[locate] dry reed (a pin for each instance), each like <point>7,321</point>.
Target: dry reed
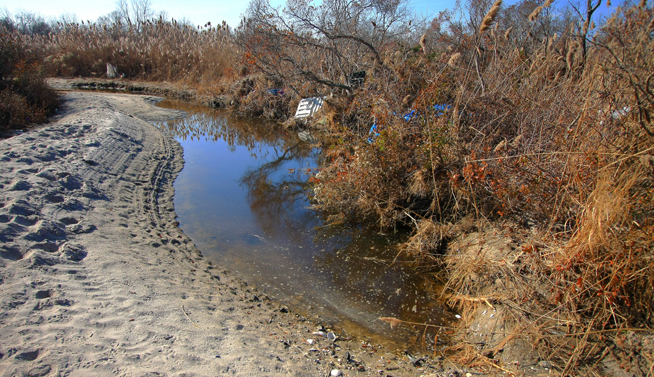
<point>490,16</point>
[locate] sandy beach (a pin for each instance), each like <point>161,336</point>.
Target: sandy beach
<point>97,279</point>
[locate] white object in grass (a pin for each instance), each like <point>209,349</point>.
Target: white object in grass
<point>308,106</point>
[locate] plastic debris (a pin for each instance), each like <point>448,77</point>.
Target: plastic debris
<point>621,113</point>
<point>276,92</point>
<point>440,109</point>
<point>308,106</point>
<point>356,79</point>
<point>372,135</point>
<point>112,71</point>
<point>410,115</point>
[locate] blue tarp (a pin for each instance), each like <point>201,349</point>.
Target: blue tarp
<point>372,135</point>
<point>410,115</point>
<point>438,108</point>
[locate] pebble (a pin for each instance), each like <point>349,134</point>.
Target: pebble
<point>336,373</point>
<point>545,364</point>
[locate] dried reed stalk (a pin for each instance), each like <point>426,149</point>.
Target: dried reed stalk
<point>454,59</point>
<point>490,16</point>
<point>423,43</point>
<point>395,321</point>
<point>507,33</point>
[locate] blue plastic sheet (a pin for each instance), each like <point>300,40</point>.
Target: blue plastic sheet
<point>410,115</point>
<point>438,108</point>
<point>372,135</point>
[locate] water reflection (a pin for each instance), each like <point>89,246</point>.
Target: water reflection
<point>243,199</point>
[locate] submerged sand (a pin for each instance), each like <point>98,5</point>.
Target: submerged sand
<point>97,279</point>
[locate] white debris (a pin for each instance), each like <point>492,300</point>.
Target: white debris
<point>112,71</point>
<point>308,106</point>
<point>621,113</point>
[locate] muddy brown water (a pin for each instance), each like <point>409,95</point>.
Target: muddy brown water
<point>244,200</point>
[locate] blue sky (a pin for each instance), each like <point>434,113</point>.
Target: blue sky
<point>197,11</point>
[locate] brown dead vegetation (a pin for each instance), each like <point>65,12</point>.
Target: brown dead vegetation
<point>24,95</point>
<point>517,144</point>
<point>545,148</point>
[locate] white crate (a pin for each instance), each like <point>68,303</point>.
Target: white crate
<point>308,106</point>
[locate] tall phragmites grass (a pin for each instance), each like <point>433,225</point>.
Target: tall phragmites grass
<point>490,16</point>
<point>158,51</point>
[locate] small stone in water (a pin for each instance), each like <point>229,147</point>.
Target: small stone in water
<point>336,373</point>
<point>331,336</point>
<point>310,341</point>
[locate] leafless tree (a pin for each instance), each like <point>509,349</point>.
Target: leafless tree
<point>26,23</point>
<point>586,14</point>
<point>134,12</point>
<point>324,43</point>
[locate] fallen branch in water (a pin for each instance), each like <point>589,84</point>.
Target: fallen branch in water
<point>395,321</point>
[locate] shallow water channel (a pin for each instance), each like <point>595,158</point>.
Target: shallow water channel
<point>243,199</point>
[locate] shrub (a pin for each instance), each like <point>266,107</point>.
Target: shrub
<point>25,97</point>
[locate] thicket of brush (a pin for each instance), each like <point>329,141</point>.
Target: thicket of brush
<point>551,134</point>
<point>518,120</point>
<point>25,98</point>
<point>542,133</point>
